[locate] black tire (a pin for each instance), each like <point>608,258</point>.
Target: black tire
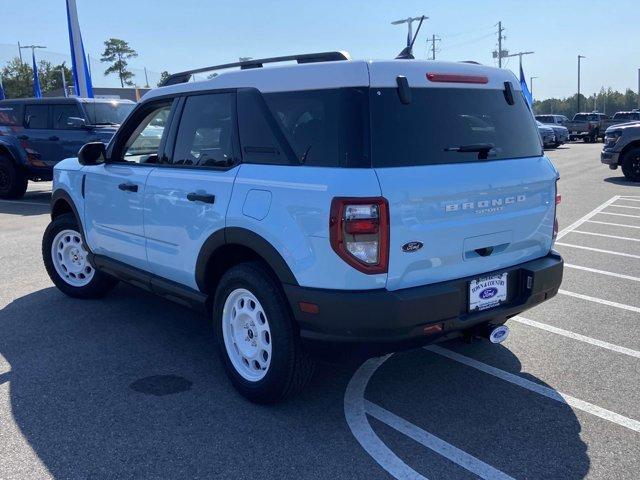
<point>13,182</point>
<point>98,286</point>
<point>631,164</point>
<point>290,367</point>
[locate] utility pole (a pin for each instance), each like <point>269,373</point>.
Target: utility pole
<point>433,41</point>
<point>64,83</point>
<point>146,78</point>
<point>500,53</point>
<point>579,58</point>
<point>20,52</point>
<point>32,47</point>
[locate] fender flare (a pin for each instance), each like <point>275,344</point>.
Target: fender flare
<point>61,195</point>
<point>10,150</point>
<point>246,238</point>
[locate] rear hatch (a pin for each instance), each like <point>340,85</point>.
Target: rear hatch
<point>456,213</point>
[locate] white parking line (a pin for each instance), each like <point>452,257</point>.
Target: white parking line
<point>607,236</point>
<point>613,224</point>
<point>548,392</point>
<point>576,336</point>
<point>625,206</point>
<point>602,301</point>
<point>580,221</point>
<point>602,272</point>
<point>630,198</point>
<point>611,252</point>
<point>434,443</point>
<point>619,214</point>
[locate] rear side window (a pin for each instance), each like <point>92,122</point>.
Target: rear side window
<point>62,113</point>
<point>11,114</point>
<point>325,128</point>
<point>207,131</point>
<point>440,122</point>
<point>36,116</point>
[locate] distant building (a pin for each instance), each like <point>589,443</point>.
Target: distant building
<point>131,93</point>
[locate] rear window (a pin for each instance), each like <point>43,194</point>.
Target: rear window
<point>10,114</point>
<point>626,116</point>
<point>439,120</point>
<point>545,118</point>
<point>584,117</point>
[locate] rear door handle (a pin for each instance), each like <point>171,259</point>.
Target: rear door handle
<point>23,137</point>
<point>128,187</point>
<point>53,138</point>
<point>201,197</point>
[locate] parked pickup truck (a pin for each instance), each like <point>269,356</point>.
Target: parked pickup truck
<point>619,118</point>
<point>587,126</point>
<point>622,148</point>
<point>36,133</point>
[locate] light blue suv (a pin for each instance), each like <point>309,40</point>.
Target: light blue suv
<point>312,208</point>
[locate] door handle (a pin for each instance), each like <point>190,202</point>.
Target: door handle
<point>23,137</point>
<point>128,187</point>
<point>201,197</point>
<point>54,138</point>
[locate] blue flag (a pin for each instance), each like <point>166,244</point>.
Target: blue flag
<point>525,89</point>
<point>36,80</point>
<point>2,96</point>
<point>81,76</point>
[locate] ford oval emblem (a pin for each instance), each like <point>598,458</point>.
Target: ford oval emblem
<point>412,247</point>
<point>488,293</point>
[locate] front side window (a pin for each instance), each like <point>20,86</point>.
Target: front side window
<point>143,144</point>
<point>61,115</point>
<point>449,125</point>
<point>207,131</point>
<point>35,116</point>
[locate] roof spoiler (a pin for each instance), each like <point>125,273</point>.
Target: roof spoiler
<point>183,77</point>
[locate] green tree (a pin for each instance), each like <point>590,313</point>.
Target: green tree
<point>17,79</point>
<point>51,76</point>
<point>163,76</point>
<point>117,52</point>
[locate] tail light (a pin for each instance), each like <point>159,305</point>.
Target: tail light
<point>555,215</point>
<point>359,232</point>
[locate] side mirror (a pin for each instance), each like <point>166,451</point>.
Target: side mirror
<point>93,153</point>
<point>76,122</point>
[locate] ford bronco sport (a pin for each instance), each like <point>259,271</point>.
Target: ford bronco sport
<point>373,205</point>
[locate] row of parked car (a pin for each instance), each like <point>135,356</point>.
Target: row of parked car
<point>589,127</point>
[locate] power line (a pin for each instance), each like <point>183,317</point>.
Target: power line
<point>434,39</point>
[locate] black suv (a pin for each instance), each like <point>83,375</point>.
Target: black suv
<point>35,134</point>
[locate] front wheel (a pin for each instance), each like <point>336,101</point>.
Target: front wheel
<point>257,339</point>
<point>631,164</point>
<point>13,182</point>
<point>67,262</point>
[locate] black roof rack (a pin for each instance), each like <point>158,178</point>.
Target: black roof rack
<point>183,77</point>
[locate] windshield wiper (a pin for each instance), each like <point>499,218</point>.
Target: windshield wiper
<point>106,123</point>
<point>483,149</point>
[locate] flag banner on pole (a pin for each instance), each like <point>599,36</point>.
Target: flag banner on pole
<point>36,79</point>
<point>525,89</point>
<point>81,76</point>
<point>2,96</point>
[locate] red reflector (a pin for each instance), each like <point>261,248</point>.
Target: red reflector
<point>455,78</point>
<point>558,199</point>
<point>431,329</point>
<point>362,226</point>
<point>307,307</point>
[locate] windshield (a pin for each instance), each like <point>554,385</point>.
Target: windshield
<point>545,119</point>
<point>449,125</point>
<point>108,113</point>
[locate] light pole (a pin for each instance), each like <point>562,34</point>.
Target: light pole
<point>531,84</point>
<point>409,21</point>
<point>579,58</point>
<point>64,83</point>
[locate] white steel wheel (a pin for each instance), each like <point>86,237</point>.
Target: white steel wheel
<point>246,333</point>
<point>70,259</point>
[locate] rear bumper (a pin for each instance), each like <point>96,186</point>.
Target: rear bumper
<point>378,321</point>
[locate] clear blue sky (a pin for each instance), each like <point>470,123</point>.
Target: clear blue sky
<point>174,35</point>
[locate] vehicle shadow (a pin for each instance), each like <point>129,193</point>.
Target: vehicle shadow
<point>516,431</point>
<point>622,180</point>
<point>23,209</point>
<point>130,386</point>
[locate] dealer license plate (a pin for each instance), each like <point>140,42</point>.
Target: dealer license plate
<point>487,292</point>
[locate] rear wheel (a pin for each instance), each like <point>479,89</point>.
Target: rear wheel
<point>13,182</point>
<point>631,164</point>
<point>67,262</point>
<point>257,340</point>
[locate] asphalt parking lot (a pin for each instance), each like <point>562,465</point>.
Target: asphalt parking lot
<point>130,386</point>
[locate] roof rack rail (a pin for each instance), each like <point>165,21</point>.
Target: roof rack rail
<point>183,77</point>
